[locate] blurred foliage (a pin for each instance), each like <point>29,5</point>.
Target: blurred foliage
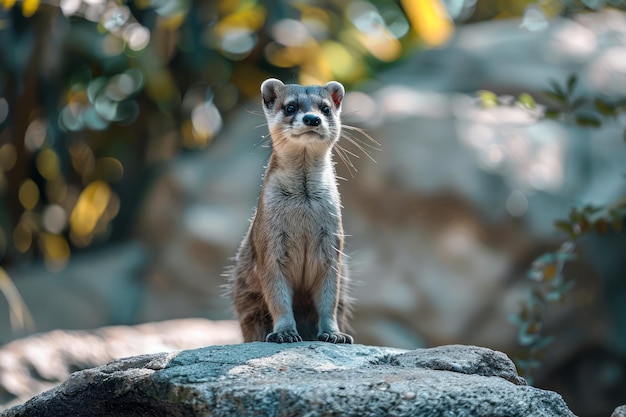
<point>95,94</point>
<point>548,270</point>
<point>579,109</point>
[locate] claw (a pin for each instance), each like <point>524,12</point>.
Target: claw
<point>283,337</point>
<point>337,338</point>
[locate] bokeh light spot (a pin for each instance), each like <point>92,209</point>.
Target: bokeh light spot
<point>238,42</point>
<point>48,164</point>
<point>137,36</point>
<point>114,18</point>
<point>56,190</point>
<point>290,32</point>
<point>93,120</point>
<point>517,203</point>
<point>70,117</point>
<point>109,169</point>
<point>35,135</point>
<point>82,159</point>
<point>365,16</point>
<point>8,157</point>
<point>430,20</point>
<point>29,7</point>
<point>28,194</point>
<point>90,205</point>
<point>112,45</point>
<point>55,249</point>
<point>341,62</point>
<point>206,123</point>
<point>54,218</point>
<point>70,7</point>
<point>120,87</point>
<point>22,237</point>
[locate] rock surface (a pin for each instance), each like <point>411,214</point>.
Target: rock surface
<point>37,363</point>
<point>308,378</point>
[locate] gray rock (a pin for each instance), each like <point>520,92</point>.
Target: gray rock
<point>304,379</point>
<point>37,363</point>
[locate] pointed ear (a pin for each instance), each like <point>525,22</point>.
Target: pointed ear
<point>336,91</point>
<point>271,89</point>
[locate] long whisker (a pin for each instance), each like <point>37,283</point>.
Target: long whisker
<point>346,160</point>
<point>349,152</point>
<point>367,135</point>
<point>255,112</point>
<point>361,148</point>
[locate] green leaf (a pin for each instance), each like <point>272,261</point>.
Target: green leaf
<point>527,100</point>
<point>529,333</point>
<point>565,226</point>
<point>565,256</point>
<point>535,274</point>
<point>554,114</point>
<point>543,343</point>
<point>536,300</point>
<point>588,120</point>
<point>605,108</point>
<point>554,295</point>
<point>554,96</point>
<point>556,88</point>
<point>590,210</point>
<point>571,83</point>
<point>488,99</point>
<point>557,293</point>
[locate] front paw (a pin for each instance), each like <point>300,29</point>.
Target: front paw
<point>335,337</point>
<point>284,336</point>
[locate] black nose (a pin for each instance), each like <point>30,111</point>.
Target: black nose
<point>311,120</point>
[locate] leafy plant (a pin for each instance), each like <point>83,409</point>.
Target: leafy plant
<point>569,106</point>
<point>552,285</point>
<point>547,270</point>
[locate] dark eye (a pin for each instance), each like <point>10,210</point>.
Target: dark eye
<point>290,109</point>
<point>326,111</point>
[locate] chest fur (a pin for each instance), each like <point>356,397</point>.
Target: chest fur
<point>302,218</point>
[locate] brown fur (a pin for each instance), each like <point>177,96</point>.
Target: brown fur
<point>289,281</point>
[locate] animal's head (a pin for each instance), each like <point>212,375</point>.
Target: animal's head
<point>306,115</point>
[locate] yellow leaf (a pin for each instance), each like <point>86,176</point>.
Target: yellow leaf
<point>430,20</point>
<point>7,4</point>
<point>29,7</point>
